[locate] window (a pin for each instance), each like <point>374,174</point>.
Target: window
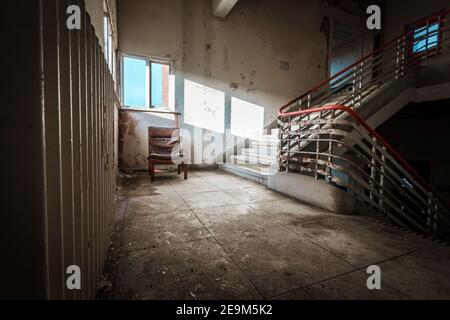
<point>426,37</point>
<point>109,43</point>
<point>147,83</point>
<point>135,82</point>
<point>161,84</point>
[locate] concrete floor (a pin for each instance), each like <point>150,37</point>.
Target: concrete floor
<point>217,236</point>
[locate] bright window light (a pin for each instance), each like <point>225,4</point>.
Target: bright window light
<point>204,107</point>
<point>136,83</point>
<point>247,119</point>
<point>160,78</point>
<point>425,38</point>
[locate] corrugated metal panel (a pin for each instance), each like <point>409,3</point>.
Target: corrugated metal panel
<point>79,149</point>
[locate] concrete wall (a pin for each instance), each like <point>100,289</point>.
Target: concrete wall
<point>312,191</point>
<point>349,37</point>
<point>399,13</point>
<point>133,132</point>
<point>263,52</point>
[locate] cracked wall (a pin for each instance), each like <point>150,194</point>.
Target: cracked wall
<point>264,53</point>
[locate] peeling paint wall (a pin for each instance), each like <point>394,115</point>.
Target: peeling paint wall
<point>265,52</point>
<point>133,136</point>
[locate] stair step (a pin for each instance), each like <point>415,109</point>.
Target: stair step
<point>243,159</point>
<point>254,152</point>
<point>252,172</point>
<point>267,144</point>
<point>267,138</point>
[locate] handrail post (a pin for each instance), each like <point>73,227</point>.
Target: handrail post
<point>372,168</point>
<point>432,214</point>
<point>361,74</point>
<point>382,169</point>
<point>288,156</point>
<point>403,56</point>
<point>429,212</point>
<point>353,87</point>
<point>316,175</point>
<point>398,60</point>
<point>330,147</point>
<point>279,143</point>
<point>426,40</point>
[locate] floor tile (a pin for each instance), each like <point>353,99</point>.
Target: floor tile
<point>193,186</point>
<point>156,204</point>
<point>289,211</point>
<point>423,274</point>
<point>227,182</point>
<point>194,270</point>
<point>277,260</point>
<point>351,286</point>
<point>254,194</point>
<point>222,221</point>
<point>218,236</point>
<point>361,244</point>
<point>160,229</point>
<point>209,199</point>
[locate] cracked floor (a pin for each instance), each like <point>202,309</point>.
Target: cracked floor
<point>218,236</point>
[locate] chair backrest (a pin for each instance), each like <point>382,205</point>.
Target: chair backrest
<point>163,132</point>
<point>163,140</point>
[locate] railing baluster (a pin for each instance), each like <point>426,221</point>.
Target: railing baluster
<point>288,155</point>
<point>383,160</point>
<point>382,186</point>
<point>316,175</point>
<point>352,104</point>
<point>360,87</point>
<point>372,169</point>
<point>429,213</point>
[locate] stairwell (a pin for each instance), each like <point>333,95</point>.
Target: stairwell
<point>330,156</point>
<point>257,161</point>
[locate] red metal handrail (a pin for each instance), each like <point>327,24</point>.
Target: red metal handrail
<point>375,134</point>
<point>444,12</point>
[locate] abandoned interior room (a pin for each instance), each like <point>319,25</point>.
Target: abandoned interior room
<point>225,150</point>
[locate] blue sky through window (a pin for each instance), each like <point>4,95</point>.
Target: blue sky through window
<point>157,84</point>
<point>421,38</point>
<point>135,82</point>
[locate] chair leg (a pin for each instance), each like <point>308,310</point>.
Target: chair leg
<point>149,168</point>
<point>186,170</point>
<point>152,172</point>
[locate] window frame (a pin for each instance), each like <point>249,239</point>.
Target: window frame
<point>425,37</point>
<point>110,42</point>
<point>149,60</point>
<point>412,28</point>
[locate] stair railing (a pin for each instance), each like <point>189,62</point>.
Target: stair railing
<point>321,134</point>
<point>350,155</point>
<point>353,84</point>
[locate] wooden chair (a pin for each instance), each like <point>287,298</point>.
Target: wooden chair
<point>164,146</point>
